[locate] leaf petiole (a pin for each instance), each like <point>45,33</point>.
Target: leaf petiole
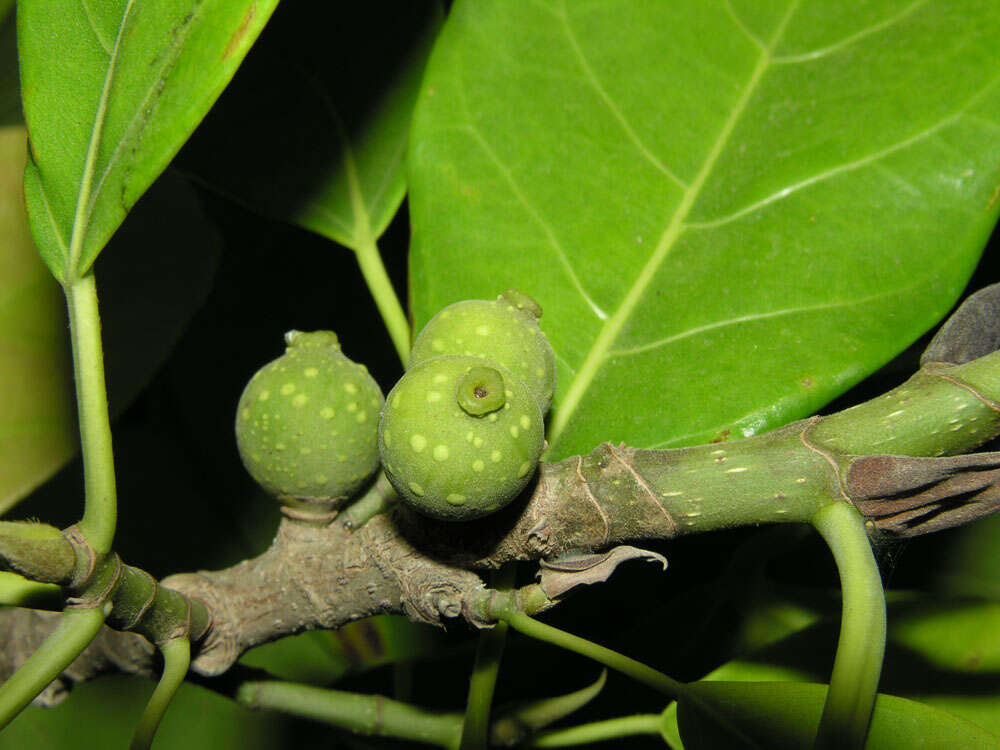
<point>858,663</point>
<point>76,629</point>
<point>176,659</point>
<point>100,498</point>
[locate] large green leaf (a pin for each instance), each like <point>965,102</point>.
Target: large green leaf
<point>325,119</point>
<point>730,210</point>
<point>145,306</point>
<point>106,114</point>
<point>37,414</point>
<point>784,716</point>
<point>944,655</point>
<point>102,714</point>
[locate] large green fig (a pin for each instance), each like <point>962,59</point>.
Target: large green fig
<point>459,437</point>
<point>306,423</point>
<point>504,330</point>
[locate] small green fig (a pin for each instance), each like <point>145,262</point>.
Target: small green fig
<point>459,437</point>
<point>306,423</point>
<point>504,330</point>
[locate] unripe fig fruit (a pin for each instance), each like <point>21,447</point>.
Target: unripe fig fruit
<point>459,437</point>
<point>306,423</point>
<point>504,330</point>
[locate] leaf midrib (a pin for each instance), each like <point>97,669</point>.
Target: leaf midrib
<point>81,214</point>
<point>613,325</point>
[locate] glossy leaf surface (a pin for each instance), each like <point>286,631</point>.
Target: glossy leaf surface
<point>730,211</point>
<point>106,115</point>
<point>314,128</point>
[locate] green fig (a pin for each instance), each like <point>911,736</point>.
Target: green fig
<point>459,437</point>
<point>504,330</point>
<point>306,423</point>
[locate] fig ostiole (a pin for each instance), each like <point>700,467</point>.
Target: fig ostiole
<point>459,437</point>
<point>504,330</point>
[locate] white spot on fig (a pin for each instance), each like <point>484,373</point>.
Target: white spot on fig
<point>418,442</point>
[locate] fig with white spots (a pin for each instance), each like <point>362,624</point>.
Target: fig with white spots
<point>306,426</point>
<point>504,330</point>
<point>462,455</point>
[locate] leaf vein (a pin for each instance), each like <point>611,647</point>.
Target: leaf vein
<point>93,27</point>
<point>748,319</point>
<point>592,79</point>
<point>675,227</point>
<point>849,166</point>
<point>550,235</point>
<point>142,112</point>
<point>742,26</point>
<point>855,37</point>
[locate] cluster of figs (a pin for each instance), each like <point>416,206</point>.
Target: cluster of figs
<point>459,436</point>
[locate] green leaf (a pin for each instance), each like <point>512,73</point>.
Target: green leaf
<point>326,119</point>
<point>144,307</point>
<point>730,211</point>
<point>108,112</point>
<point>779,715</point>
<point>37,416</point>
<point>101,714</point>
<point>940,654</point>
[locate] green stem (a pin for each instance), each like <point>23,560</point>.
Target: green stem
<point>100,508</point>
<point>379,498</point>
<point>599,731</point>
<point>362,714</point>
<point>76,629</point>
<point>176,659</point>
<point>611,659</point>
<point>18,591</point>
<point>373,270</point>
<point>489,651</point>
<point>858,664</point>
